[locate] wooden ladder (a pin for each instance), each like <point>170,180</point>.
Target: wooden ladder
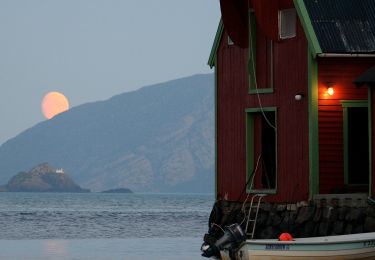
<point>253,214</point>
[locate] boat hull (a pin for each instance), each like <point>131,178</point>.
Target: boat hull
<point>359,246</point>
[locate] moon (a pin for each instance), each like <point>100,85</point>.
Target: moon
<point>54,103</point>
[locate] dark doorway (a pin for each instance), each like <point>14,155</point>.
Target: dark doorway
<point>357,146</point>
<point>261,149</point>
<point>268,150</point>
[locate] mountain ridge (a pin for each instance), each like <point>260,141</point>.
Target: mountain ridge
<point>153,139</point>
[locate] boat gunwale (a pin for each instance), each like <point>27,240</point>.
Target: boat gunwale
<point>340,239</point>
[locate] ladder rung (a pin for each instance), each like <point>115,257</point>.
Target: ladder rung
<point>253,212</point>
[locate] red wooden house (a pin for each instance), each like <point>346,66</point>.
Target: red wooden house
<point>290,122</point>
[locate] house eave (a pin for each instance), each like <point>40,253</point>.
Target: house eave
<point>346,55</point>
<point>308,27</point>
<point>215,45</point>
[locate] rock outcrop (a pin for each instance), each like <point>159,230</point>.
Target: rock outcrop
<point>42,178</point>
<point>119,190</point>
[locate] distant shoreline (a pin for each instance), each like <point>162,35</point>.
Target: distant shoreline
<point>119,190</point>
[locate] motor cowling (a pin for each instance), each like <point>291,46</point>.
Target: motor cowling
<point>232,237</point>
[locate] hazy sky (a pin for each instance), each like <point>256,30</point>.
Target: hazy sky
<point>93,49</point>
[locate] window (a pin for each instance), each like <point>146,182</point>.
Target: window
<point>287,23</point>
<point>261,150</point>
<point>261,60</point>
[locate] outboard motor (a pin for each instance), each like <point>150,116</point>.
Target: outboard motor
<point>232,237</point>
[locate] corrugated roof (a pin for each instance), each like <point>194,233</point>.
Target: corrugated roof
<point>343,26</point>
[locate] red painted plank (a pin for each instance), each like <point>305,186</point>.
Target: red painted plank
<point>290,78</point>
<point>340,73</point>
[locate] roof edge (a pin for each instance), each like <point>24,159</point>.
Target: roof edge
<point>307,27</point>
<point>347,55</point>
<point>215,45</point>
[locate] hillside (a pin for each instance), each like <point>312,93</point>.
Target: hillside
<point>157,139</point>
<point>42,178</point>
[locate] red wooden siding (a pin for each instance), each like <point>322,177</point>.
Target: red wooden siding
<point>290,78</point>
<point>331,164</point>
<point>231,146</point>
<point>267,15</point>
<point>340,72</point>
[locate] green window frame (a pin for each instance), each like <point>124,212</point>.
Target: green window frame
<point>313,125</point>
<point>345,105</point>
<point>253,88</point>
<point>250,148</point>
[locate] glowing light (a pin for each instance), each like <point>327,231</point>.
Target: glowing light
<point>54,103</point>
<point>330,91</point>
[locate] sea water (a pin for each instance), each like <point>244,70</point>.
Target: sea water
<point>102,226</point>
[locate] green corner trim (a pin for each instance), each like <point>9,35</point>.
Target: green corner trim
<point>369,95</point>
<point>215,141</point>
<point>250,163</point>
<point>215,46</point>
<point>308,27</point>
<point>313,125</point>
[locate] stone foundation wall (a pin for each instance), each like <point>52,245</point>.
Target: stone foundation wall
<point>323,216</point>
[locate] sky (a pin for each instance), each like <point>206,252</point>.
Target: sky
<point>91,50</point>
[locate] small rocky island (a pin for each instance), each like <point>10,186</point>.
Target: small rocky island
<point>42,178</point>
<point>119,190</point>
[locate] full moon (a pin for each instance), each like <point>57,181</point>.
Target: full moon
<point>54,103</point>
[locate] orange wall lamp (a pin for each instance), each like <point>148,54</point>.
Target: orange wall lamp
<point>330,90</point>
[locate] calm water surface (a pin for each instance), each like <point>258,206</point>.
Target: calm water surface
<point>102,226</point>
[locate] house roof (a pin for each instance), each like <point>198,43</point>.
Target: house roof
<point>331,27</point>
<point>368,77</point>
<point>339,26</point>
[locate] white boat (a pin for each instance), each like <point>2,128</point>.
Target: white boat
<point>355,246</point>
